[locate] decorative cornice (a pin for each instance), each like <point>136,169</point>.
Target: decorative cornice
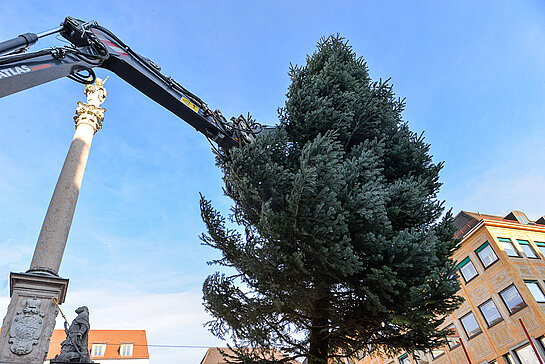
<point>502,224</point>
<point>515,225</point>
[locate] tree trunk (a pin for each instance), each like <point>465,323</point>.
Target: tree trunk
<point>319,332</point>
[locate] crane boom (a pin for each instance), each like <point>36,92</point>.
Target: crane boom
<point>92,45</point>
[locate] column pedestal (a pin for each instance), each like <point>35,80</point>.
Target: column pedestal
<point>30,320</point>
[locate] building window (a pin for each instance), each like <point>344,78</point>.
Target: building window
<point>541,246</point>
<point>125,350</point>
<point>527,248</point>
<point>486,255</point>
<point>508,247</point>
<point>404,359</point>
<point>490,313</point>
<point>470,325</point>
<point>526,354</point>
<point>420,357</point>
<point>467,269</point>
<point>512,299</point>
<point>534,287</point>
<point>509,358</point>
<point>437,352</point>
<point>98,349</point>
<point>541,341</point>
<point>453,339</point>
<point>521,217</point>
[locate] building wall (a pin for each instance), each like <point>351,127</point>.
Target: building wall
<point>506,336</point>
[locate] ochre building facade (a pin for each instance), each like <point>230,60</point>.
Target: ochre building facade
<point>501,262</point>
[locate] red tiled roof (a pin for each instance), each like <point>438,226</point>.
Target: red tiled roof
<point>113,340</point>
<point>479,216</point>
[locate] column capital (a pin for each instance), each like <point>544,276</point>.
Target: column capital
<point>89,114</point>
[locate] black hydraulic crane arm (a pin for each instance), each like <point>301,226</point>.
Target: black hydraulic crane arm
<point>95,46</point>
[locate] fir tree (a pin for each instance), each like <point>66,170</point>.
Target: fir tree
<point>343,246</point>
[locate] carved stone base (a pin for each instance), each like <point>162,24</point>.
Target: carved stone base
<point>30,320</point>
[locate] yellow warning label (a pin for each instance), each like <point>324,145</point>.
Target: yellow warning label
<point>190,104</point>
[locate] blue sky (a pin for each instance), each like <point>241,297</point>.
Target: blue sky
<point>473,75</point>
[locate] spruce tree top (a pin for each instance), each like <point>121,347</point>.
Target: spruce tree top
<point>343,250</point>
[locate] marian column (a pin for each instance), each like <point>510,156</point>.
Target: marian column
<point>30,320</point>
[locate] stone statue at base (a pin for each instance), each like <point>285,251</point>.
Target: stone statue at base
<point>74,349</point>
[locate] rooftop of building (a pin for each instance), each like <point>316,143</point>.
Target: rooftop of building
<point>215,356</point>
<point>466,220</point>
<point>113,340</point>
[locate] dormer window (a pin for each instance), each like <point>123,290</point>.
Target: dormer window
<point>98,350</point>
<point>518,216</point>
<point>125,349</point>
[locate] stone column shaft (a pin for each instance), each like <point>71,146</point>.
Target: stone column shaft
<point>58,219</point>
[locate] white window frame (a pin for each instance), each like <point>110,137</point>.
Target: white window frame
<point>123,346</point>
<point>100,347</point>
